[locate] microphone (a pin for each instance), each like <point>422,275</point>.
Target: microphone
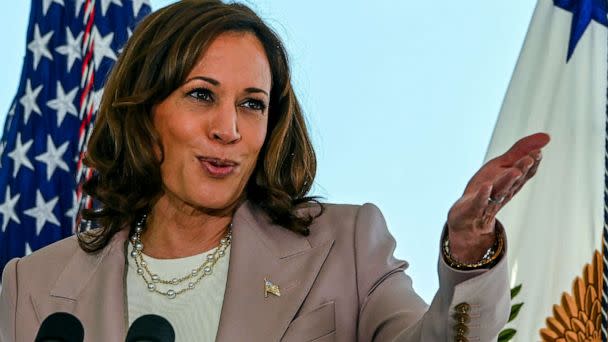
<point>60,327</point>
<point>151,328</point>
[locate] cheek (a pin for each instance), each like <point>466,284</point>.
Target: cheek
<point>177,135</point>
<point>254,135</point>
<point>257,142</point>
<point>259,132</point>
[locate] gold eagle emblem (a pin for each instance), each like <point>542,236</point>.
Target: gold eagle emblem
<point>578,318</point>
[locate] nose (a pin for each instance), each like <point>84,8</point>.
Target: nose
<point>224,128</point>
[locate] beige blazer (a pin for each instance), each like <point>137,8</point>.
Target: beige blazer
<point>341,283</point>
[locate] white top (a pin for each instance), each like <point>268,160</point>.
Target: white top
<point>194,314</point>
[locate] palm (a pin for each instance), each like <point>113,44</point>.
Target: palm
<point>472,217</point>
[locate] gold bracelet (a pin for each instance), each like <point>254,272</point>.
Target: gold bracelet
<point>490,258</point>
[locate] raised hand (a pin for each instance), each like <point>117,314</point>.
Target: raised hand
<point>471,220</point>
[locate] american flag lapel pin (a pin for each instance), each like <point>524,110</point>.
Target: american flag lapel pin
<point>269,287</point>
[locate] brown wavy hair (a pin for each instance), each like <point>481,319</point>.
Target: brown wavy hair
<point>164,48</point>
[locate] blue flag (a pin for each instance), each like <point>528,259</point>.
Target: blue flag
<point>71,46</point>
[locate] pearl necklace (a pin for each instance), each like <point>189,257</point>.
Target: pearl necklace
<point>194,277</point>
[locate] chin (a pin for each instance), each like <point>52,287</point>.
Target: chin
<point>216,200</point>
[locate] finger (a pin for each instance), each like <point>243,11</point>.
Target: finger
<point>501,194</point>
<point>537,155</point>
<point>504,183</point>
<point>528,169</point>
<point>516,187</point>
<point>523,147</point>
<point>534,168</point>
<point>528,166</point>
<point>524,165</point>
<point>522,181</point>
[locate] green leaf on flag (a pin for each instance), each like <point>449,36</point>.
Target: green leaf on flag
<point>506,335</point>
<point>515,310</point>
<point>515,291</point>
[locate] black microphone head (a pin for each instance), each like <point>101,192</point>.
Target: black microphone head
<point>60,327</point>
<point>151,328</point>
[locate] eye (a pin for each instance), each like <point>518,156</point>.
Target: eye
<point>201,94</point>
<point>254,104</point>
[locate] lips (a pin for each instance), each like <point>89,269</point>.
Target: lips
<point>216,167</point>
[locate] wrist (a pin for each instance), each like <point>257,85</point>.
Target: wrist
<point>474,260</point>
<point>470,249</point>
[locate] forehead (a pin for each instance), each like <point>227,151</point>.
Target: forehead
<point>235,58</point>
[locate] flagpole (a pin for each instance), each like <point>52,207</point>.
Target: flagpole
<point>87,82</point>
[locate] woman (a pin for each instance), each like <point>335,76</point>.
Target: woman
<point>203,163</point>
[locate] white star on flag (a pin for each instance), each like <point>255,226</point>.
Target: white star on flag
<point>137,4</point>
<point>79,6</point>
<point>71,49</point>
<point>72,213</point>
<point>7,209</point>
<point>43,211</point>
<point>103,47</point>
<point>63,103</point>
<point>19,155</point>
<point>74,209</point>
<point>38,46</point>
<point>28,248</point>
<point>47,3</point>
<point>106,3</point>
<point>53,157</point>
<point>29,101</point>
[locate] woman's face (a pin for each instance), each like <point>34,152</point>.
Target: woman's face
<point>213,126</point>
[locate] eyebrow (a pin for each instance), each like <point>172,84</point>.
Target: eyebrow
<point>217,83</point>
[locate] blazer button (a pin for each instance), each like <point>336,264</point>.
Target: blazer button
<point>463,308</point>
<point>462,318</point>
<point>461,329</point>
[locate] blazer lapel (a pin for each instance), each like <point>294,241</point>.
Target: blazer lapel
<point>261,250</point>
<point>91,287</point>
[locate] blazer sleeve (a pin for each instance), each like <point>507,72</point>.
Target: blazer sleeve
<point>8,302</point>
<point>390,310</point>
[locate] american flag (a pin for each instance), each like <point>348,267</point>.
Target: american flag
<point>71,46</point>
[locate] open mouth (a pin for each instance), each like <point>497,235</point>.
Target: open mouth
<point>216,167</point>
